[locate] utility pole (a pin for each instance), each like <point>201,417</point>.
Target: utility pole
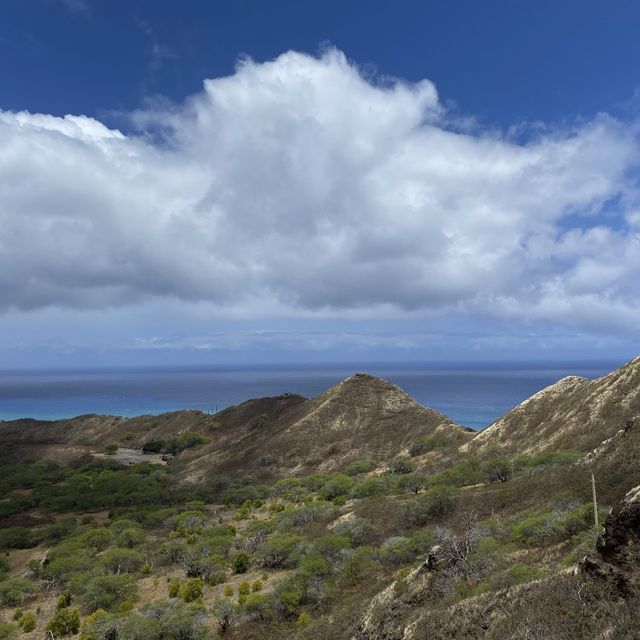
<point>595,503</point>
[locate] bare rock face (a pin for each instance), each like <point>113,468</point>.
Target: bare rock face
<point>617,553</point>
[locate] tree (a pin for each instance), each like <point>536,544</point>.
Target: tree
<point>498,468</point>
<point>109,592</point>
<point>226,613</point>
<point>121,560</point>
<point>111,449</point>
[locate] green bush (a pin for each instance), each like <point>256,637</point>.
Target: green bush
<point>314,563</point>
<point>423,444</point>
<point>130,537</point>
<point>17,538</point>
<point>278,551</point>
<point>121,560</point>
<point>7,630</point>
<point>398,550</point>
<point>98,539</point>
<point>175,620</point>
<point>259,606</point>
<point>464,473</point>
<point>15,591</point>
<point>241,562</point>
<point>552,527</point>
<point>192,590</point>
<point>359,467</point>
<point>515,574</point>
<point>109,592</point>
<point>497,468</point>
<point>433,505</point>
<point>27,622</point>
<point>338,484</point>
<point>304,619</point>
<point>65,622</point>
<point>226,613</point>
<point>64,600</point>
<point>174,588</point>
<point>401,465</point>
<point>153,446</point>
<point>371,487</point>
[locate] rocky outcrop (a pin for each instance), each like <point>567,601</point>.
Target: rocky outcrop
<point>617,553</point>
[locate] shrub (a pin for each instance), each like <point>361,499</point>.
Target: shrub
<point>516,574</point>
<point>244,589</point>
<point>435,504</point>
<point>226,613</point>
<point>174,588</point>
<point>303,620</point>
<point>314,564</point>
<point>7,630</point>
<point>64,600</point>
<point>175,621</point>
<point>355,565</point>
<point>241,562</point>
<point>98,539</point>
<point>422,444</point>
<point>278,550</point>
<point>370,487</point>
<point>287,597</point>
<point>17,538</point>
<point>358,530</point>
<point>109,592</point>
<point>192,590</point>
<point>498,468</point>
<point>15,591</point>
<point>153,446</point>
<point>27,622</point>
<point>65,622</point>
<point>111,449</point>
<point>130,537</point>
<point>401,465</point>
<point>338,484</point>
<point>360,466</point>
<point>398,549</point>
<point>256,585</point>
<point>259,605</point>
<point>121,560</point>
<point>228,591</point>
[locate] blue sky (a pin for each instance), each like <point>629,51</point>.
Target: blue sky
<point>353,181</point>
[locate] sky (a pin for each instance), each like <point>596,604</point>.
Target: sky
<point>210,183</point>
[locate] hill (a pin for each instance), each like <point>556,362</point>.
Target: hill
<point>573,413</point>
<point>358,511</point>
<point>360,417</point>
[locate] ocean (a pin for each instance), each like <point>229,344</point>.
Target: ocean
<point>473,395</point>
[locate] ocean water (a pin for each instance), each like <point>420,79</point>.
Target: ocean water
<point>472,395</point>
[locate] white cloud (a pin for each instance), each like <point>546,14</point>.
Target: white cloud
<point>301,183</point>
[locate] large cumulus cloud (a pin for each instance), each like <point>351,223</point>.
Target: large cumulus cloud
<point>305,185</point>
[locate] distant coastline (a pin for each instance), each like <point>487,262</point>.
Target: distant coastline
<point>471,394</point>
